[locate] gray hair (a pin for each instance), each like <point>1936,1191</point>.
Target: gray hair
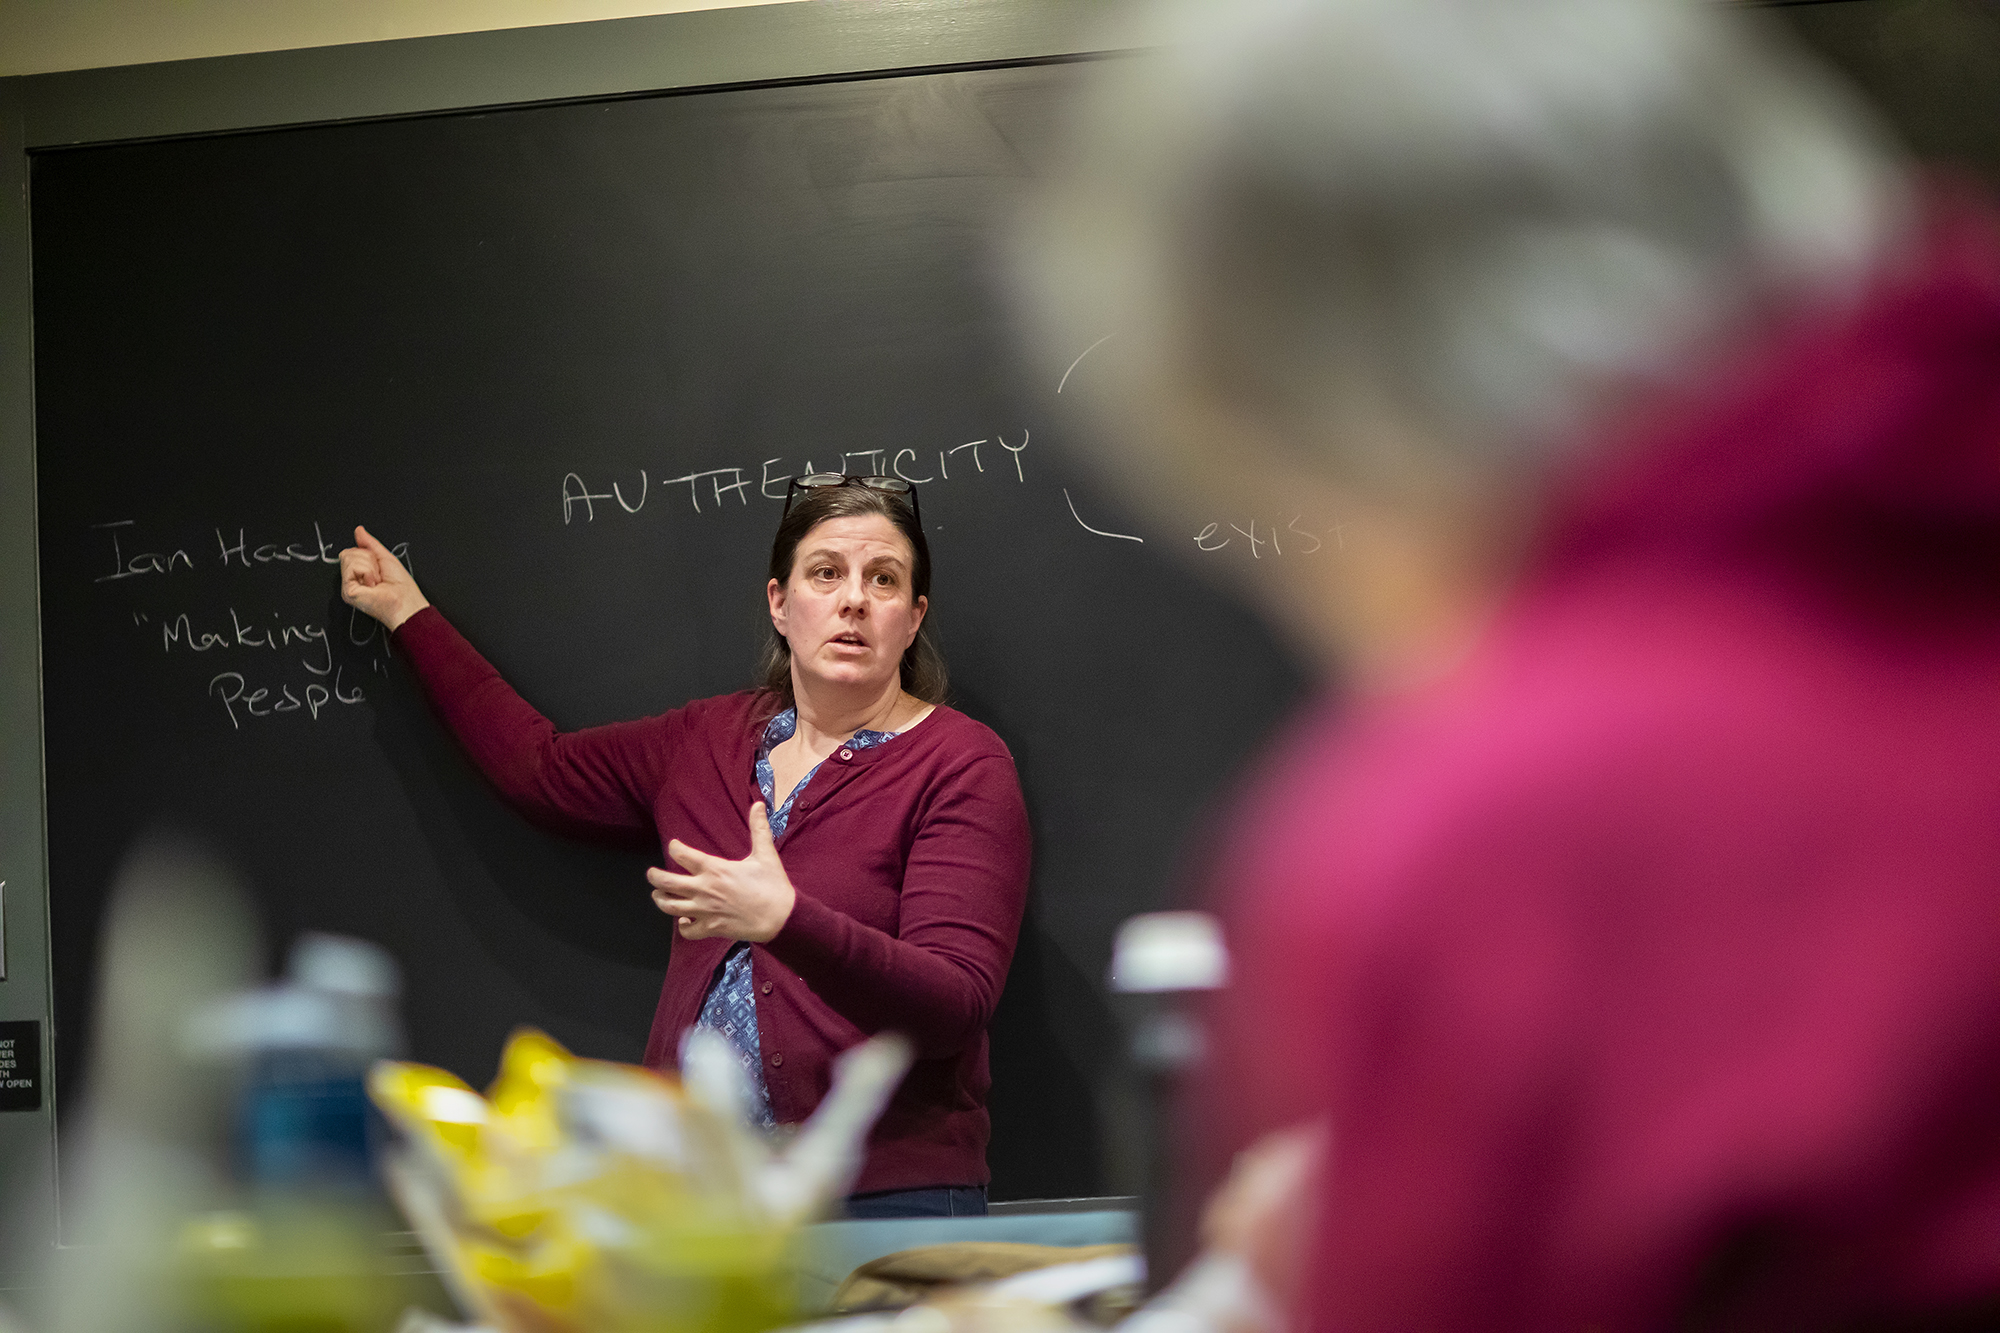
<point>1478,217</point>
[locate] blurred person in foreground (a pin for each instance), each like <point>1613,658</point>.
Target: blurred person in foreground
<point>1632,926</point>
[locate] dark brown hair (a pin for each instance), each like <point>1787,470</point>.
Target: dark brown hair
<point>924,673</point>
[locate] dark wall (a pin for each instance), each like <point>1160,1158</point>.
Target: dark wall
<point>466,331</point>
<point>1931,67</point>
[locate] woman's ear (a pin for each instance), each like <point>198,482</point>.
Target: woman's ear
<point>774,593</point>
<point>923,604</point>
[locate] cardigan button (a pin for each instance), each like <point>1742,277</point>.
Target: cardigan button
<point>847,754</point>
<point>766,988</point>
<point>777,1057</point>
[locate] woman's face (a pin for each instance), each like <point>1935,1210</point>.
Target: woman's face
<point>847,609</point>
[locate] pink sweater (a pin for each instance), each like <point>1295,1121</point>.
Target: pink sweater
<point>910,861</point>
<point>1648,968</point>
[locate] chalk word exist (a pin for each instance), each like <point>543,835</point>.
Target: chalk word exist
<point>1303,541</point>
<point>719,484</point>
<point>231,686</point>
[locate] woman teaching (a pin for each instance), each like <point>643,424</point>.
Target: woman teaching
<point>844,854</point>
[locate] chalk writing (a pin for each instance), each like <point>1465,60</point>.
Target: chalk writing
<point>146,562</point>
<point>1259,540</point>
<point>240,552</point>
<point>265,553</point>
<point>233,689</point>
<point>179,631</point>
<point>1123,537</point>
<point>714,477</point>
<point>582,495</point>
<point>1079,361</point>
<point>769,480</point>
<point>632,508</point>
<point>1015,451</point>
<point>371,628</point>
<point>943,454</point>
<point>303,672</point>
<point>709,489</point>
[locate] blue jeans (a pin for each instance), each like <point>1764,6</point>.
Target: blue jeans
<point>938,1201</point>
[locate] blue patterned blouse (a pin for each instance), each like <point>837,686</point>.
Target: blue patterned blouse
<point>730,1007</point>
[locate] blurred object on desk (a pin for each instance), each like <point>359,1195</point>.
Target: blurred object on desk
<point>907,1277</point>
<point>822,1257</point>
<point>154,1136</point>
<point>304,1045</point>
<point>588,1194</point>
<point>1161,962</point>
<point>186,1220</point>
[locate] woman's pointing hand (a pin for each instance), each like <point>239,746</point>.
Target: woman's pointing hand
<point>372,579</point>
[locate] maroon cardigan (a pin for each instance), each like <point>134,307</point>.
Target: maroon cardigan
<point>910,861</point>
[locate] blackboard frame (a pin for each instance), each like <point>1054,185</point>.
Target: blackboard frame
<point>812,40</point>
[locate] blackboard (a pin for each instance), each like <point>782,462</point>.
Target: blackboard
<point>559,352</point>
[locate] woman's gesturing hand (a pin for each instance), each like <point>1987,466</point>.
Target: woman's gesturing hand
<point>372,579</point>
<point>749,899</point>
